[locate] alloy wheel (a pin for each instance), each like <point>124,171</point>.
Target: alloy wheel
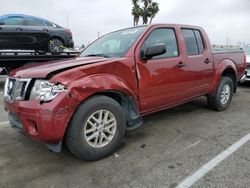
<point>100,128</point>
<point>225,94</point>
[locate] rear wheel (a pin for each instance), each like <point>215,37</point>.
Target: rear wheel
<point>96,129</point>
<point>223,96</point>
<point>55,46</point>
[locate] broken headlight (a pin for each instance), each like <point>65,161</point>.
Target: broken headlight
<point>45,91</point>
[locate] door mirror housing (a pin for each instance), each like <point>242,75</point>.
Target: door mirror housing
<point>1,22</point>
<point>154,50</point>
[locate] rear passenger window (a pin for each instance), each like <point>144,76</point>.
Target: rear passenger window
<point>34,22</point>
<point>193,41</point>
<point>191,44</point>
<point>48,24</point>
<point>162,36</point>
<point>199,41</point>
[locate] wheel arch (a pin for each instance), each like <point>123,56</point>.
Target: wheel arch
<point>224,68</point>
<point>230,72</point>
<point>128,104</point>
<point>111,86</point>
<point>57,37</point>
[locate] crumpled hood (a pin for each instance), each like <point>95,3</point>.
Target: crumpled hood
<point>43,70</point>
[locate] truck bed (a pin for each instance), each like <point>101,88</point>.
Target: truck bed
<point>236,56</point>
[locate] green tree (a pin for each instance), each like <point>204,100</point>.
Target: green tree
<point>145,9</point>
<point>136,12</point>
<point>148,10</point>
<point>153,10</point>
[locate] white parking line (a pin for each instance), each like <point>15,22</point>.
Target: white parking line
<point>4,124</point>
<point>191,180</point>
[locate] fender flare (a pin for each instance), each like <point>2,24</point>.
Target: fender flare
<point>113,87</point>
<point>220,68</point>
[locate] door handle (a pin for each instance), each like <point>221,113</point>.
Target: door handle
<point>180,65</point>
<point>19,29</point>
<point>46,30</point>
<point>207,61</point>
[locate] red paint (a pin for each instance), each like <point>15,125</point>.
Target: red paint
<point>153,84</point>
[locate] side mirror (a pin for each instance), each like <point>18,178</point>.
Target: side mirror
<point>155,50</point>
<point>1,22</point>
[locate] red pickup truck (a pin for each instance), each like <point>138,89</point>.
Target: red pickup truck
<point>91,100</point>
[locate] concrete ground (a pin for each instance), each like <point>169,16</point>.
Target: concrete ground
<point>169,147</point>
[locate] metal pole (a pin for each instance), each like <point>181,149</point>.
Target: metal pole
<point>67,21</point>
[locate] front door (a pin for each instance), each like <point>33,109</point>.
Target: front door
<point>162,78</point>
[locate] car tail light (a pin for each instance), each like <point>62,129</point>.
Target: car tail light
<point>68,32</point>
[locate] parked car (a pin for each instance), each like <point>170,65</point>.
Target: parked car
<point>25,32</point>
<point>90,101</point>
<point>246,77</point>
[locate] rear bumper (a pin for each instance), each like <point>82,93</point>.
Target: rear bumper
<point>246,76</point>
<point>69,43</point>
<point>44,123</point>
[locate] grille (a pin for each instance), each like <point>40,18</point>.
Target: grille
<point>15,88</point>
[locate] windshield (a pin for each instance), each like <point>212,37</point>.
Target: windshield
<point>114,44</point>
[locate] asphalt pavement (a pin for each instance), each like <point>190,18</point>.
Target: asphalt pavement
<point>186,144</point>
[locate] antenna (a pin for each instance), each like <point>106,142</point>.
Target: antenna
<point>68,21</point>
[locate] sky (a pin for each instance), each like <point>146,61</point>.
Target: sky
<point>221,19</point>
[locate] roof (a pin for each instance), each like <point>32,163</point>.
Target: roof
<point>28,16</point>
<point>23,15</point>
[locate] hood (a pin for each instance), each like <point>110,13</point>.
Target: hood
<point>43,70</point>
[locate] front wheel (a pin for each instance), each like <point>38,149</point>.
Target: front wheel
<point>223,95</point>
<point>96,129</point>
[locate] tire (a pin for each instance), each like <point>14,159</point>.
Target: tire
<point>81,129</point>
<point>55,46</point>
<point>223,95</point>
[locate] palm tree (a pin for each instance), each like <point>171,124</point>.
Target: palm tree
<point>146,13</point>
<point>149,10</point>
<point>153,10</point>
<point>136,12</point>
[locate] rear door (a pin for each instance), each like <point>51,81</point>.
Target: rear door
<point>12,32</point>
<point>37,34</point>
<point>198,61</point>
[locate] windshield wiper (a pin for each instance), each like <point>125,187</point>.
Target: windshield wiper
<point>97,55</point>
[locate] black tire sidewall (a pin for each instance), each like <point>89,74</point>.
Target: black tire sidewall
<point>49,50</point>
<point>75,138</point>
<point>223,82</point>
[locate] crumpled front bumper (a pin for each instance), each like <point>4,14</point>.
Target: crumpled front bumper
<point>45,122</point>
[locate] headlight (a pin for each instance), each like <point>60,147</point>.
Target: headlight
<point>45,91</point>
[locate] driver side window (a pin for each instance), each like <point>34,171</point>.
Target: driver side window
<point>162,36</point>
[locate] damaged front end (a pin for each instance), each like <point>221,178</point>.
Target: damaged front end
<point>39,109</point>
